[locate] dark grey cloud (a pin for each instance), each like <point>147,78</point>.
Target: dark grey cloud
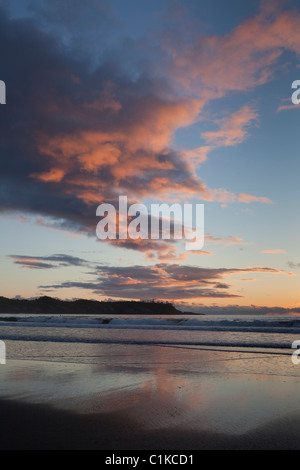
<point>119,289</point>
<point>47,262</point>
<point>75,25</point>
<point>51,163</point>
<point>161,281</point>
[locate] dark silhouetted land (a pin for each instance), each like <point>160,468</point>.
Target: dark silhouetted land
<point>48,305</point>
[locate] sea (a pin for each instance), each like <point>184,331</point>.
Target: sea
<point>270,333</point>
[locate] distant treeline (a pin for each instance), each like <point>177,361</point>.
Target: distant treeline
<point>48,305</point>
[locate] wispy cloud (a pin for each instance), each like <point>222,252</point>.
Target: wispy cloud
<point>288,107</point>
<point>227,241</point>
<point>47,262</point>
<point>162,281</point>
<point>242,59</point>
<point>233,129</point>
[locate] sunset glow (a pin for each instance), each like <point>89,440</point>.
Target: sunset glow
<point>170,104</point>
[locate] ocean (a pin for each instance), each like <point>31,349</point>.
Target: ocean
<point>270,334</point>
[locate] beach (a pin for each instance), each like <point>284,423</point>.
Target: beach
<point>38,427</point>
<point>147,397</point>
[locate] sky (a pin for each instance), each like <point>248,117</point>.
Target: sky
<point>166,101</point>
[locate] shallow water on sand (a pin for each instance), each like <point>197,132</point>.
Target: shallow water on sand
<point>157,386</point>
<point>220,374</point>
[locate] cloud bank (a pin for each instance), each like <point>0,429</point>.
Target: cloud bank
<point>161,281</point>
<point>75,135</point>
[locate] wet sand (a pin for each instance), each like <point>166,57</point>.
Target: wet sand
<point>142,398</point>
<point>40,427</point>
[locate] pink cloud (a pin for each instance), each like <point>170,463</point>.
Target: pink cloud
<point>288,107</point>
<point>232,129</point>
<point>54,175</point>
<point>247,199</point>
<point>228,241</point>
<point>242,59</point>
